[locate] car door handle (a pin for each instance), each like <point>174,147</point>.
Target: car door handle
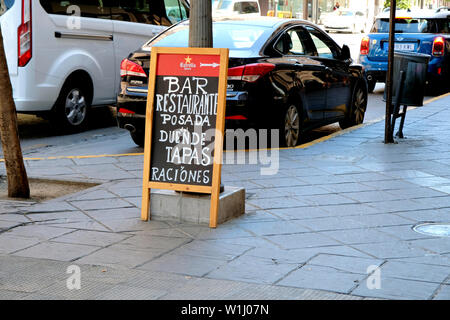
<point>298,64</point>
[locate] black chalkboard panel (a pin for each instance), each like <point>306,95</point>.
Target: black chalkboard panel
<point>184,120</point>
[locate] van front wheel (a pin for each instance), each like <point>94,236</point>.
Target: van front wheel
<point>72,109</point>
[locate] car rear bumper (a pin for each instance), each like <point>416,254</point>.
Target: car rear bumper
<point>376,75</point>
<point>237,106</point>
<point>131,113</point>
<point>376,70</point>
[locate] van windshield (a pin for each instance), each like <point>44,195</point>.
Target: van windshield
<point>5,5</point>
<point>413,25</point>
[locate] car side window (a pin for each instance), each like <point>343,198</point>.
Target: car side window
<point>88,8</point>
<point>292,42</point>
<point>324,47</point>
<point>297,46</point>
<point>443,25</point>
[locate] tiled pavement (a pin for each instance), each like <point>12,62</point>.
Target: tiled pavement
<point>334,211</point>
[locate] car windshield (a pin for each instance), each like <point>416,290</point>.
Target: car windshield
<point>413,25</point>
<point>225,35</point>
<point>5,5</point>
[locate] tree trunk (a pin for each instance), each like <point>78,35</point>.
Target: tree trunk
<point>305,9</point>
<point>200,24</point>
<point>376,9</point>
<point>17,176</point>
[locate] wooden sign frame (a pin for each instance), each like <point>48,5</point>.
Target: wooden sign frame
<point>214,190</point>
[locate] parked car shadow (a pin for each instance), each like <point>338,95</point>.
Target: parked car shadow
<point>31,126</point>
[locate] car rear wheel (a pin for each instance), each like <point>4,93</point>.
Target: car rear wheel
<point>72,108</point>
<point>371,85</point>
<point>138,138</point>
<point>358,108</point>
<point>291,127</point>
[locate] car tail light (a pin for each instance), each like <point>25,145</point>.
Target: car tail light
<point>129,68</point>
<point>364,46</point>
<point>438,46</point>
<point>24,35</point>
<point>123,110</point>
<point>236,73</point>
<point>250,72</point>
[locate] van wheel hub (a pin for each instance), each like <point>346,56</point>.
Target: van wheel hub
<point>75,107</point>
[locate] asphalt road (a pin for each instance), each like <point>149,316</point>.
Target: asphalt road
<point>39,139</point>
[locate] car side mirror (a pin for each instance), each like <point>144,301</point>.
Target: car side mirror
<point>345,53</point>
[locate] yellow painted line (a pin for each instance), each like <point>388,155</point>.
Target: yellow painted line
<point>82,157</point>
<point>302,146</point>
<point>308,144</point>
<point>436,98</point>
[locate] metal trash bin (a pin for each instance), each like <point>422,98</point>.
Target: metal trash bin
<point>415,66</point>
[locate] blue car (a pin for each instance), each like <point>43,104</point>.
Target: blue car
<point>423,32</point>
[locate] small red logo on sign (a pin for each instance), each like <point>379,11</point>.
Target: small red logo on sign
<point>188,64</point>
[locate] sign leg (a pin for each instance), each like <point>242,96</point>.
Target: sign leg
<point>214,210</point>
<point>145,211</point>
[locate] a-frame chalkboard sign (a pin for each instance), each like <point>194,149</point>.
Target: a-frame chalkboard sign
<point>185,121</point>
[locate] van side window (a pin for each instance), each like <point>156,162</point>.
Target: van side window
<point>5,5</point>
<point>142,11</point>
<point>88,8</point>
<point>246,7</point>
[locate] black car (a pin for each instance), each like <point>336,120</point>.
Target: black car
<point>283,73</point>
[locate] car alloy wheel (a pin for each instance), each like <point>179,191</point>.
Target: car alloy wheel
<point>75,107</point>
<point>291,126</point>
<point>359,105</point>
<point>358,108</point>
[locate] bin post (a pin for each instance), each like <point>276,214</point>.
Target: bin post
<point>402,122</point>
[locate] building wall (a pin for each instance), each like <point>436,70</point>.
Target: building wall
<point>370,7</point>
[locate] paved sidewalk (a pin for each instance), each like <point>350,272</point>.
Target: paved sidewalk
<point>312,231</point>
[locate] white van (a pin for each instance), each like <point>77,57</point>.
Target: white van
<point>64,56</point>
<point>234,7</point>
